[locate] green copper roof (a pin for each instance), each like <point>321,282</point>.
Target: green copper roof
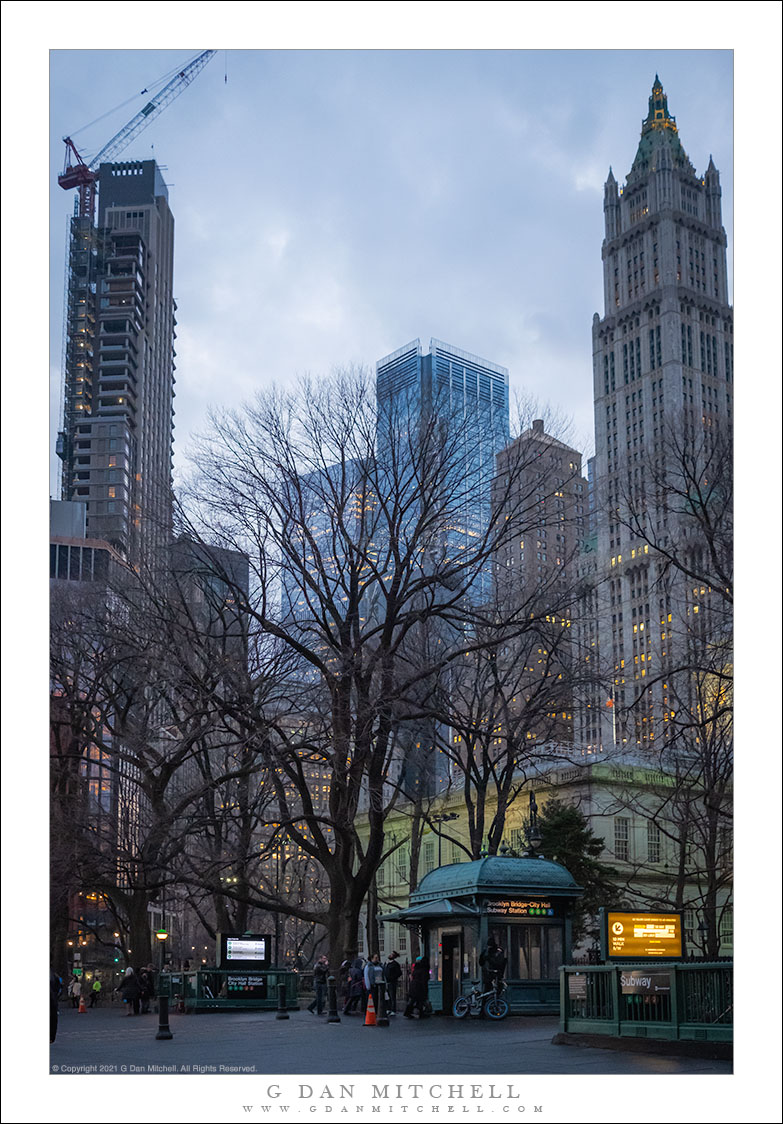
<point>496,874</point>
<point>658,128</point>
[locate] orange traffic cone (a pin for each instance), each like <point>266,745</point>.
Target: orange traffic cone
<point>369,1018</point>
<point>82,1006</point>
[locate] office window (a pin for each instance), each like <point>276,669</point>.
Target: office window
<point>622,833</point>
<point>653,843</point>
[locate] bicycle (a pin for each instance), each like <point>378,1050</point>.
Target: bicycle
<point>478,1003</point>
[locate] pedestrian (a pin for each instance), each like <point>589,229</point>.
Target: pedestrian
<point>55,990</point>
<point>146,988</point>
<point>493,961</point>
<point>343,977</point>
<point>320,974</point>
<point>130,991</point>
<point>75,991</point>
<point>392,972</point>
<point>355,986</point>
<point>95,992</point>
<point>373,978</point>
<point>417,989</point>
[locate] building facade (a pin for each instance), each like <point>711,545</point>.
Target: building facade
<point>115,510</point>
<point>540,481</point>
<point>468,397</point>
<point>118,380</point>
<point>625,806</point>
<point>662,377</point>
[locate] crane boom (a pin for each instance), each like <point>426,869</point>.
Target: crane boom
<point>151,110</point>
<point>83,176</point>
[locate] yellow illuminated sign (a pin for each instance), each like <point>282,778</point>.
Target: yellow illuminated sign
<point>635,935</point>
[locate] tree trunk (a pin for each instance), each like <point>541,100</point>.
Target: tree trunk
<point>373,941</point>
<point>139,939</point>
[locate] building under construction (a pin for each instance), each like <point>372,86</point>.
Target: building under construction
<point>118,393</point>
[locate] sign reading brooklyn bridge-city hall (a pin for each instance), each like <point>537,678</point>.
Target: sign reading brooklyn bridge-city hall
<point>506,907</point>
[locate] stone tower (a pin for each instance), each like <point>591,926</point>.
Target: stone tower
<point>662,373</point>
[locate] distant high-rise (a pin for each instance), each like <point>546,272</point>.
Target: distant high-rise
<point>662,365</point>
<point>470,395</point>
<point>116,440</point>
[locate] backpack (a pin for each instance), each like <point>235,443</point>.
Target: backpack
<point>496,959</point>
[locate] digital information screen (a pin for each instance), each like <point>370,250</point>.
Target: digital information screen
<point>251,951</point>
<point>239,948</point>
<point>634,936</point>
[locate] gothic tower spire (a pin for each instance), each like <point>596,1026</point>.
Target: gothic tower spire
<point>659,135</point>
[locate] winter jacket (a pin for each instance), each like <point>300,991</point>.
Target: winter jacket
<point>130,988</point>
<point>392,971</point>
<point>419,981</point>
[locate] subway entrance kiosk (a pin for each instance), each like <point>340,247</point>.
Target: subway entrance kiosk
<point>524,902</point>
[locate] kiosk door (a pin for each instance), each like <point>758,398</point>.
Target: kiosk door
<point>450,969</point>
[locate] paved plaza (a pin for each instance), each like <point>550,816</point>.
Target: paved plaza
<point>106,1042</point>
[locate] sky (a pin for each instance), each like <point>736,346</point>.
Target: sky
<point>332,205</point>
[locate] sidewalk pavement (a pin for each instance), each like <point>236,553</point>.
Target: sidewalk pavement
<point>104,1041</point>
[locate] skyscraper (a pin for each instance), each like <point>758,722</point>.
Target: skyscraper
<point>662,376</point>
<point>115,508</point>
<point>116,440</point>
<point>468,394</point>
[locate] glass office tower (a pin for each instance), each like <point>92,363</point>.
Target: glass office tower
<point>468,397</point>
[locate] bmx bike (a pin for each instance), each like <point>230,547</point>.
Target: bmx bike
<point>477,1003</point>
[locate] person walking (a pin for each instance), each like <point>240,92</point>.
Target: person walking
<point>392,972</point>
<point>355,986</point>
<point>75,991</point>
<point>130,991</point>
<point>417,989</point>
<point>95,992</point>
<point>320,975</point>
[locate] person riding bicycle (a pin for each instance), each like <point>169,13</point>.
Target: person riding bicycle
<point>493,961</point>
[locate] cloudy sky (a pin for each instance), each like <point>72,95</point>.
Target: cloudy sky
<point>332,205</point>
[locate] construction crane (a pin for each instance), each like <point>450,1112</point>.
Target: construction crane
<point>84,176</point>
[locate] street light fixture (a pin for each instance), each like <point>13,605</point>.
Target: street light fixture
<point>161,936</point>
<point>532,831</point>
<point>441,818</point>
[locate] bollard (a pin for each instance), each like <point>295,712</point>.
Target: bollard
<point>381,1019</point>
<point>164,1030</point>
<point>282,1012</point>
<point>331,993</point>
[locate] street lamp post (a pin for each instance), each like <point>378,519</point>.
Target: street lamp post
<point>164,1030</point>
<point>532,831</point>
<point>441,818</point>
<point>277,912</point>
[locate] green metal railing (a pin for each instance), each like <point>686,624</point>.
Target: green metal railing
<point>675,1000</point>
<point>207,989</point>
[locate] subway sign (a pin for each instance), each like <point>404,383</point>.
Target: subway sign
<point>641,936</point>
<point>507,907</point>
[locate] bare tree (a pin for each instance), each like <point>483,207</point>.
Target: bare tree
<point>680,504</point>
<point>136,714</point>
<point>355,526</point>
